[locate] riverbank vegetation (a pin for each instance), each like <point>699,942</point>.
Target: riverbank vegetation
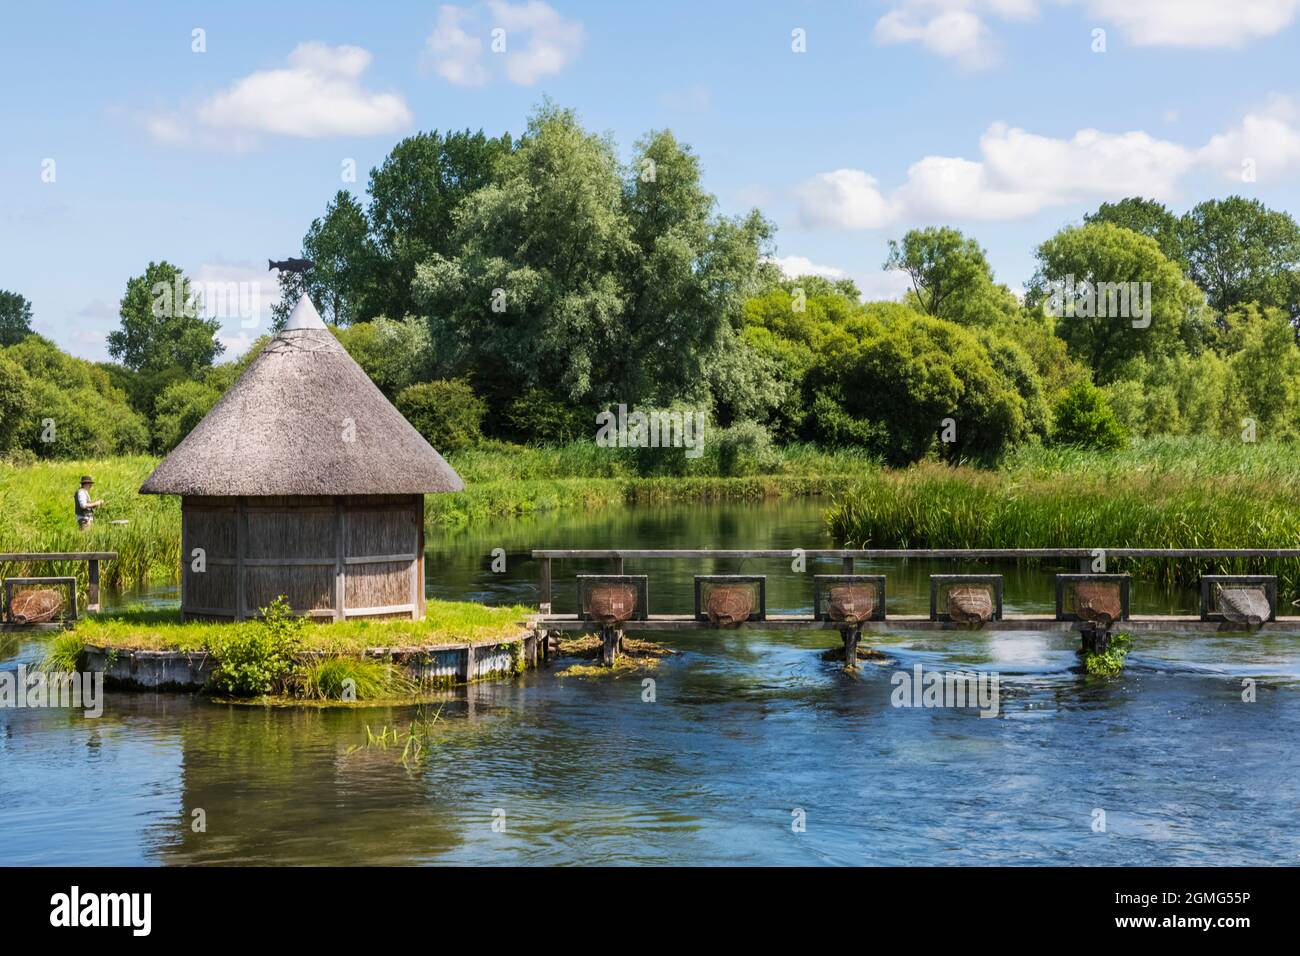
<point>1164,493</point>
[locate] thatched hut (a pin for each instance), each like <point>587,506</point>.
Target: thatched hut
<point>303,481</point>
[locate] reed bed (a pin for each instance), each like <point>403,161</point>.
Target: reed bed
<point>1169,493</point>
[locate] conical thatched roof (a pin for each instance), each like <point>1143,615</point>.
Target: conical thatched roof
<point>303,419</point>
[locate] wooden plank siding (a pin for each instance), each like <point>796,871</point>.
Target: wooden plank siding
<point>332,557</point>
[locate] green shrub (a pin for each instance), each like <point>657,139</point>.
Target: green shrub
<point>256,657</point>
<point>447,413</point>
<point>538,418</point>
<point>64,653</point>
<point>1084,419</point>
<point>744,448</point>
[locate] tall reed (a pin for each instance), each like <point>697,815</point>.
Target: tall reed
<point>1189,493</point>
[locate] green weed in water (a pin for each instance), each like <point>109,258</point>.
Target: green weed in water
<point>1110,661</point>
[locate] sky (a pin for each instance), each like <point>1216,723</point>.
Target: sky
<point>210,135</point>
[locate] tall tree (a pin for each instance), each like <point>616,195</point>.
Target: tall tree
<point>342,281</point>
<point>589,281</point>
<point>1240,251</point>
<point>163,335</point>
<point>532,294</point>
<point>15,318</point>
<point>688,277</point>
<point>414,195</point>
<point>1086,277</point>
<point>951,277</point>
<point>1147,218</point>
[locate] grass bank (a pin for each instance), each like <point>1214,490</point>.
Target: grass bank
<point>282,657</point>
<point>1166,493</point>
<point>445,622</point>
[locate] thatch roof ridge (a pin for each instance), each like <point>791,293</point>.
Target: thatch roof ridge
<point>303,419</point>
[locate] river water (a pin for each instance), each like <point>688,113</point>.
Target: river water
<point>754,750</point>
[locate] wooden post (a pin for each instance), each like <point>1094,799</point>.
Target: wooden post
<point>851,635</point>
<point>241,545</point>
<point>92,588</point>
<point>1095,639</point>
<point>544,587</point>
<point>340,562</point>
<point>610,638</point>
<point>469,663</point>
<point>846,566</point>
<point>617,562</point>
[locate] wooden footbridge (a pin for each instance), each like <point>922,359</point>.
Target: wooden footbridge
<point>1095,633</point>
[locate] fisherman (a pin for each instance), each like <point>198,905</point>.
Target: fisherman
<point>86,507</point>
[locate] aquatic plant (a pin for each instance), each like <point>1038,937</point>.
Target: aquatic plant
<point>1109,662</point>
<point>64,652</point>
<point>350,678</point>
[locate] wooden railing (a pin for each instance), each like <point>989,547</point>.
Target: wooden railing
<point>846,556</point>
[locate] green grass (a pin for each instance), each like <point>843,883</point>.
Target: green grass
<point>64,653</point>
<point>329,679</point>
<point>1167,493</point>
<point>36,515</point>
<point>446,622</point>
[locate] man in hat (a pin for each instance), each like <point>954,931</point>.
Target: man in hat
<point>86,507</point>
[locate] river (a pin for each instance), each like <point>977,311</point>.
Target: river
<point>754,749</point>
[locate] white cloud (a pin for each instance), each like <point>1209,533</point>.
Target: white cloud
<point>1264,142</point>
<point>843,199</point>
<point>1020,173</point>
<point>795,266</point>
<point>950,29</point>
<point>456,55</point>
<point>535,42</point>
<point>1195,23</point>
<point>319,93</point>
<point>959,29</point>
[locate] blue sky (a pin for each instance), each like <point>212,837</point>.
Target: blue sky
<point>1001,117</point>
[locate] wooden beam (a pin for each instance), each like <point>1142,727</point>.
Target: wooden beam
<point>884,553</point>
<point>26,556</point>
<point>1155,623</point>
<point>241,543</point>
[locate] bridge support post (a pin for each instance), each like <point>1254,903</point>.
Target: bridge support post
<point>610,639</point>
<point>851,636</point>
<point>1095,639</point>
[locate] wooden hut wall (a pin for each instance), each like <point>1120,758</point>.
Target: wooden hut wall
<point>362,554</point>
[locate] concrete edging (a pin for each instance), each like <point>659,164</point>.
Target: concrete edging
<point>447,664</point>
